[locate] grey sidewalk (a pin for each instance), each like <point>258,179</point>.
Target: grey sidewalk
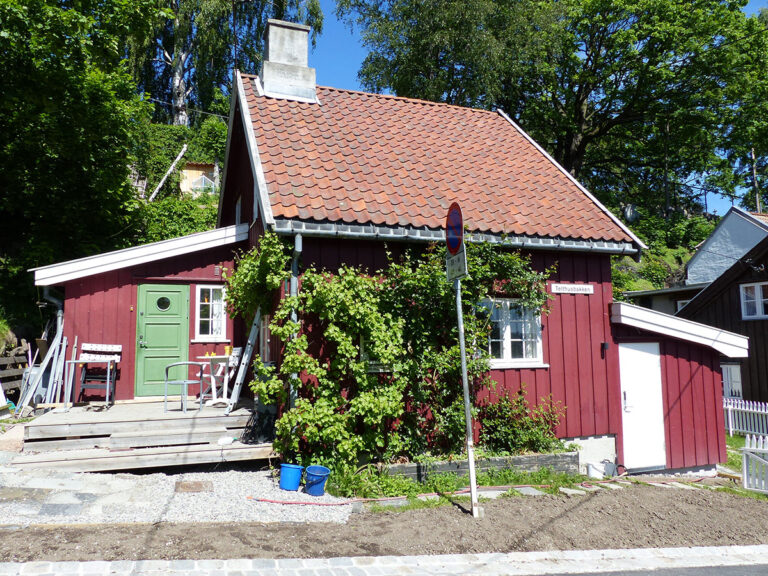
<point>511,564</point>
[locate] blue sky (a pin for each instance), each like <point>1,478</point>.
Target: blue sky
<point>339,54</point>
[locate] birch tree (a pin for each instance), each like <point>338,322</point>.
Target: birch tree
<point>196,44</point>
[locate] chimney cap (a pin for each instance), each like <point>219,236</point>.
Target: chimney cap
<point>285,24</point>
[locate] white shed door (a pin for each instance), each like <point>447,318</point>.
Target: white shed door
<point>642,406</point>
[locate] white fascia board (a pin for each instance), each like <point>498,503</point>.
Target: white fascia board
<point>586,192</point>
<point>230,125</point>
<point>108,261</point>
<point>727,343</point>
<point>260,195</point>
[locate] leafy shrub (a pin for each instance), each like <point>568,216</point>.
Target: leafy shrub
<point>509,425</point>
<point>174,216</point>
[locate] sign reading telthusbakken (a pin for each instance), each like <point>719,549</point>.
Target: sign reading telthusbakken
<point>572,288</point>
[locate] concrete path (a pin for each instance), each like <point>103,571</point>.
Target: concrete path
<point>512,564</point>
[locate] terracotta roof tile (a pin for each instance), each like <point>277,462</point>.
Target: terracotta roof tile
<point>368,158</point>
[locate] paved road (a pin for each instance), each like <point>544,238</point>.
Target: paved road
<point>704,561</point>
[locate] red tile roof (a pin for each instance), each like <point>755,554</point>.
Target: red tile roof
<point>374,159</point>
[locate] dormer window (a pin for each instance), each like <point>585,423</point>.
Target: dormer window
<point>754,300</point>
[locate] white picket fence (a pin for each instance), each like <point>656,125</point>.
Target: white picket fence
<point>754,463</point>
<point>745,417</point>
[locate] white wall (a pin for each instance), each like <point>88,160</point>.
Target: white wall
<point>734,236</point>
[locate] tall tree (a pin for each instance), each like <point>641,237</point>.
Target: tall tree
<point>195,44</point>
<point>635,97</point>
<point>68,111</point>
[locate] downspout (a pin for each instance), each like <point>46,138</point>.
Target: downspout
<point>297,241</point>
<point>55,301</point>
<point>59,308</point>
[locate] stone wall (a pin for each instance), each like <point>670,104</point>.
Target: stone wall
<point>567,462</point>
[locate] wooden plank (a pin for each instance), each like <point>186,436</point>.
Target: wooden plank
<point>99,460</point>
<point>109,428</point>
<point>11,385</point>
<point>176,437</point>
<point>66,444</point>
<point>4,361</point>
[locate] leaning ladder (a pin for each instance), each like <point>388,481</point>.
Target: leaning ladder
<point>244,363</point>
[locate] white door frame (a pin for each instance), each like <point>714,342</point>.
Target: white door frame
<point>642,406</point>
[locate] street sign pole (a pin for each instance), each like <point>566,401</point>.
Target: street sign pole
<point>476,511</point>
<point>456,269</point>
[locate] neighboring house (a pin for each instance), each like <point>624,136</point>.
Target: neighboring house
<point>198,178</point>
<point>346,176</point>
<point>737,301</point>
<point>736,233</point>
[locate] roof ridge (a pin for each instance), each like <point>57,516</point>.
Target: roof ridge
<point>390,96</point>
<point>407,99</point>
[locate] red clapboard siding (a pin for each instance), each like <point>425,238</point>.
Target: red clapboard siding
<point>102,308</point>
<point>572,335</point>
<point>693,404</point>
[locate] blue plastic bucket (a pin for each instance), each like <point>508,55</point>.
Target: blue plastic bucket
<point>316,477</point>
<point>290,476</point>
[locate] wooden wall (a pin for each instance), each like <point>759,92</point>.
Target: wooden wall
<point>582,378</point>
<point>102,308</point>
<point>724,311</point>
<point>579,376</point>
<point>692,395</point>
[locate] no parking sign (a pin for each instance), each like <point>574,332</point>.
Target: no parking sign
<point>456,258</point>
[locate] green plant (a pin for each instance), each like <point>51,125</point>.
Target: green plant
<point>511,425</point>
<point>257,276</point>
<point>374,364</point>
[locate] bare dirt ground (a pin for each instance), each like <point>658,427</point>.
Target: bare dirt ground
<point>636,517</point>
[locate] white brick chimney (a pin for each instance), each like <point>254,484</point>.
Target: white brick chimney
<point>284,72</point>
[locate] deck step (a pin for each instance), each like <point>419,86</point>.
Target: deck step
<point>169,437</point>
<point>101,460</point>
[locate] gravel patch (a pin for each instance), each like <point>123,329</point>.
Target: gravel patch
<point>48,497</point>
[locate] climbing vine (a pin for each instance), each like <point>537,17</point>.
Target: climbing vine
<point>374,358</point>
<point>257,276</point>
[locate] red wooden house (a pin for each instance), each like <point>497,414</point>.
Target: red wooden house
<point>342,172</point>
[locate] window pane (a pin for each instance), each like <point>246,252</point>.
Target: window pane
<point>750,308</point>
<point>517,349</point>
<point>205,327</point>
<point>205,295</point>
<point>205,311</point>
<point>496,349</point>
<point>530,349</point>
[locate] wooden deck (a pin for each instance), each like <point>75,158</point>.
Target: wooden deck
<point>135,435</point>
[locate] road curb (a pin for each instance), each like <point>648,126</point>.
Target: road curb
<point>507,564</point>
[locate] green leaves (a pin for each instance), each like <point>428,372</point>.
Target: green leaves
<point>374,359</point>
<point>68,118</point>
<point>257,276</point>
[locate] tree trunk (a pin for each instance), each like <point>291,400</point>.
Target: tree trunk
<point>179,92</point>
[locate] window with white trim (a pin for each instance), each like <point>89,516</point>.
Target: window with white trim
<point>515,336</point>
<point>731,380</point>
<point>754,300</point>
<point>211,324</point>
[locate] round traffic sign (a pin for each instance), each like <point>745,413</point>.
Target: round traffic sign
<point>454,229</point>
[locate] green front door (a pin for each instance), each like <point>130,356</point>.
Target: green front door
<point>162,334</point>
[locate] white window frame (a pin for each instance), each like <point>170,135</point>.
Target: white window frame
<point>761,294</point>
<point>507,361</point>
<point>198,299</point>
<point>732,383</point>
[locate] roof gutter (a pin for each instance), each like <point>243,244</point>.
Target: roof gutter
<point>287,227</point>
